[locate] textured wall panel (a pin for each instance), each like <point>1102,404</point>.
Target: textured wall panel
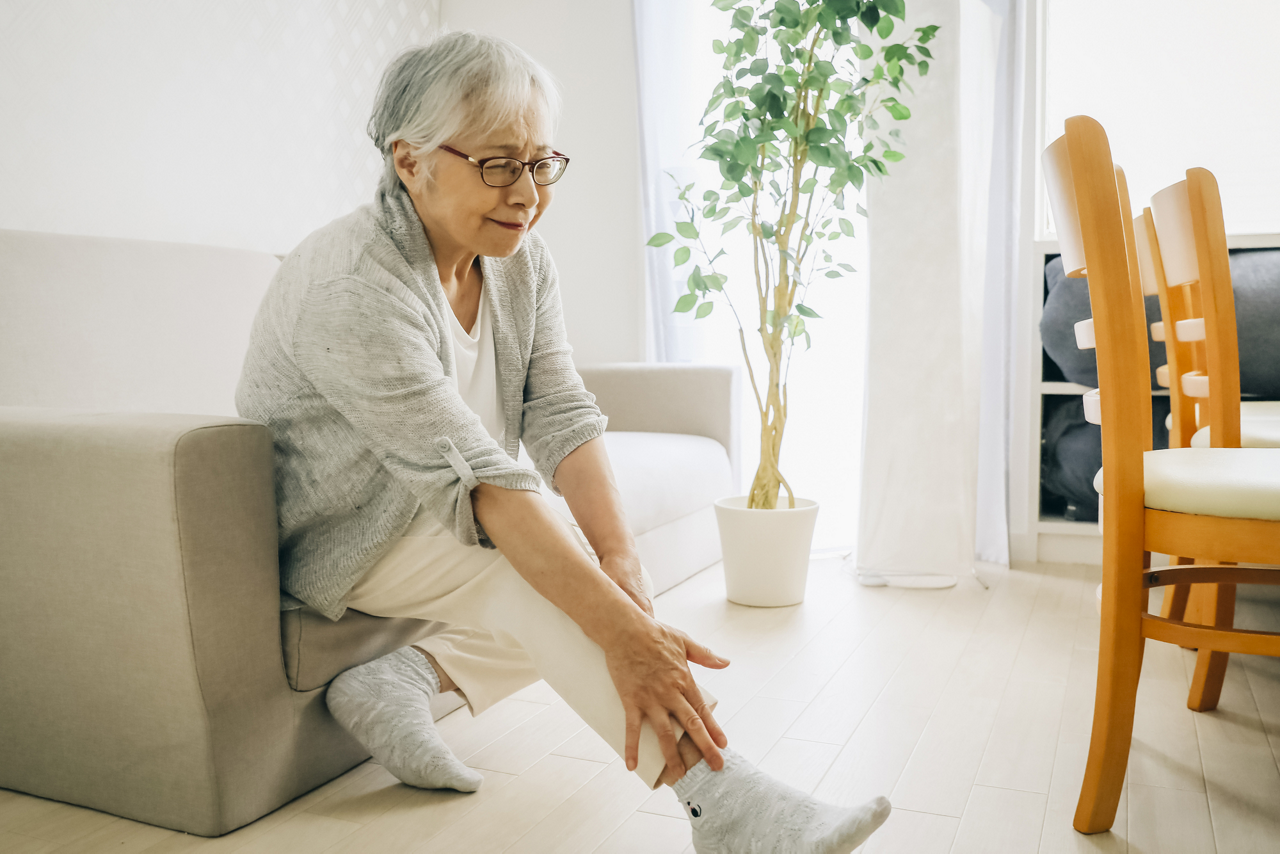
<point>236,122</point>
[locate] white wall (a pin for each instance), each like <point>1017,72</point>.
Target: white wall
<point>593,227</point>
<point>242,123</point>
<point>236,123</point>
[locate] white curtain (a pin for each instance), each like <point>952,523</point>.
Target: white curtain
<point>942,247</point>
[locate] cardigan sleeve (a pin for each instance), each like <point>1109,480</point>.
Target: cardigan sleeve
<point>371,353</point>
<point>559,413</point>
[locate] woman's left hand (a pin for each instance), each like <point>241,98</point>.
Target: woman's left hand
<point>625,572</point>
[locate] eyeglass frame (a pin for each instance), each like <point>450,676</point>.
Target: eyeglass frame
<point>555,155</point>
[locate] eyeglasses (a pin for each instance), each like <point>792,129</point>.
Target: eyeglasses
<point>505,171</point>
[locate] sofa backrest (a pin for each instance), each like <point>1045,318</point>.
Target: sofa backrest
<point>97,323</point>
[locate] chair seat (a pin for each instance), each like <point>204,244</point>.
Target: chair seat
<point>1259,426</point>
<point>1236,483</point>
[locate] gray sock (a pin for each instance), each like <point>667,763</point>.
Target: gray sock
<point>742,810</point>
<point>386,705</point>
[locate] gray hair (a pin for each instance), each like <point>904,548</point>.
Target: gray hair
<point>457,80</point>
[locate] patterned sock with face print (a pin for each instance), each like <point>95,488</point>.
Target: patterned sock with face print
<point>742,810</point>
<point>386,705</point>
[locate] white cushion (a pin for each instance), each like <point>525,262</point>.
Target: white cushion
<point>1238,483</point>
<point>1259,426</point>
<point>663,477</point>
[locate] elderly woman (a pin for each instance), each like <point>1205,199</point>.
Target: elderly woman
<point>400,356</point>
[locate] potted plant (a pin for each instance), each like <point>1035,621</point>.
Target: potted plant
<point>795,122</point>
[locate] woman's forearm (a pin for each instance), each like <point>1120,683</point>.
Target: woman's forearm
<point>543,550</point>
<point>585,479</point>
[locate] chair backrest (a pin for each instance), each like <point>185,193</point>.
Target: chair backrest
<point>1090,210</point>
<point>1182,356</point>
<point>1193,247</point>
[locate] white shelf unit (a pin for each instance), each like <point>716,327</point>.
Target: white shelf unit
<point>1046,537</point>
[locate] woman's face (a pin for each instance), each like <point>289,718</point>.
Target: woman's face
<point>461,212</point>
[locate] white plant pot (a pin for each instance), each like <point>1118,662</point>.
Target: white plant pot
<point>766,552</point>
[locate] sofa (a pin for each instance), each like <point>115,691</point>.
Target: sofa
<point>146,667</point>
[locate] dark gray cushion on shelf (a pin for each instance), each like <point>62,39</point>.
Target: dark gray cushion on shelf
<point>1067,304</point>
<point>1255,278</point>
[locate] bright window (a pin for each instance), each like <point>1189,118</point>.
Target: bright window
<point>1176,84</point>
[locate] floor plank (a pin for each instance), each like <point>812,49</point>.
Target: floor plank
<point>646,833</point>
<point>1001,820</point>
<point>1169,821</point>
<point>498,823</point>
<point>801,764</point>
<point>519,749</point>
<point>589,816</point>
<point>907,832</point>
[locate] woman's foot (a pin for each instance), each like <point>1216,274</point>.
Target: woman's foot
<point>742,810</point>
<point>386,705</point>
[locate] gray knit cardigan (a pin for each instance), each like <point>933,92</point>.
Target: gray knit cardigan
<point>351,365</point>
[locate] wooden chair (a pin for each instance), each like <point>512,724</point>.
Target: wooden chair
<point>1217,501</point>
<point>1203,377</point>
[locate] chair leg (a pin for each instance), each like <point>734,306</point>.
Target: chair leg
<point>1174,606</point>
<point>1119,666</point>
<point>1211,665</point>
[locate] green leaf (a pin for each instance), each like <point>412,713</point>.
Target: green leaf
<point>831,274</point>
<point>892,156</point>
<point>897,110</point>
<point>696,281</point>
<point>809,186</point>
<point>924,51</point>
<point>704,310</point>
<point>862,210</point>
<point>682,255</point>
<point>686,302</point>
<point>846,226</point>
<point>724,5</point>
<point>924,67</point>
<point>823,68</point>
<point>731,224</point>
<point>863,51</point>
<point>896,8</point>
<point>806,311</point>
<point>817,136</point>
<point>759,67</point>
<point>716,280</point>
<point>661,239</point>
<point>686,230</point>
<point>744,151</point>
<point>884,29</point>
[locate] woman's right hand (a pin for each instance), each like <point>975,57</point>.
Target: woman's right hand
<point>648,662</point>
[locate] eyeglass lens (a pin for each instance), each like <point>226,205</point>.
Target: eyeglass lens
<point>504,172</point>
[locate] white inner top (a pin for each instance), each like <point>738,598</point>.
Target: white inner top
<point>477,366</point>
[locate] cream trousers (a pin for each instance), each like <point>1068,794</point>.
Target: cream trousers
<point>502,634</point>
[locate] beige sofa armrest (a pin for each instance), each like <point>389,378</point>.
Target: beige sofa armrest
<point>701,400</point>
<point>140,665</point>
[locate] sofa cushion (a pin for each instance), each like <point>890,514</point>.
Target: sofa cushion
<point>663,477</point>
<point>316,649</point>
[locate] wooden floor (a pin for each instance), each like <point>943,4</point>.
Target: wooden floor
<point>970,708</point>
